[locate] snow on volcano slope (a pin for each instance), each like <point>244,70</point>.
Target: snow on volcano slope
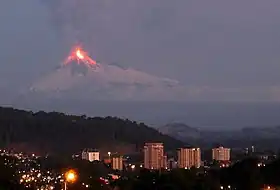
<point>106,82</point>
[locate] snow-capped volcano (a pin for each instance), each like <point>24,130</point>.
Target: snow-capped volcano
<point>103,81</point>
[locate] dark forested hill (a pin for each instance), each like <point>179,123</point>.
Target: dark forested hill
<point>57,132</point>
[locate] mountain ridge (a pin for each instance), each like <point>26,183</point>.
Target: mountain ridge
<point>58,132</point>
<point>180,131</point>
<point>262,137</point>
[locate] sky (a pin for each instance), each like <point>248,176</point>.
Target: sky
<point>225,49</point>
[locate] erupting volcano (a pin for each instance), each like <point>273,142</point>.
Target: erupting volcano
<point>79,55</point>
<point>82,78</point>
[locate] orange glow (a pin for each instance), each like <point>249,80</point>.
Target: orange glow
<point>71,176</point>
<point>78,54</point>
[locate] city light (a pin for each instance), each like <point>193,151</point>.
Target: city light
<point>70,176</point>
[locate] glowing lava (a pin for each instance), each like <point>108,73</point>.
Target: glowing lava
<point>79,55</point>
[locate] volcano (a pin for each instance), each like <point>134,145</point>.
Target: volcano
<point>79,77</point>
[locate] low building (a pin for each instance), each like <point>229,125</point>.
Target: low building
<point>90,155</point>
<point>171,163</point>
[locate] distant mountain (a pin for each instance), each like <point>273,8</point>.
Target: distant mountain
<point>57,132</point>
<point>261,132</point>
<point>262,137</point>
<point>180,131</point>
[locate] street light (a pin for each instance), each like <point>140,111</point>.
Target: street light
<point>70,177</point>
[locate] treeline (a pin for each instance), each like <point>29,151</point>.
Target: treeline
<point>60,132</point>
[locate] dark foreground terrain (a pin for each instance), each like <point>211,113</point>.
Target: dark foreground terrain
<point>57,132</point>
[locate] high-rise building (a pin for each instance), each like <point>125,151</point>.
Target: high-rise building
<point>221,154</point>
<point>154,156</point>
<point>189,157</point>
<point>90,155</point>
<point>117,163</point>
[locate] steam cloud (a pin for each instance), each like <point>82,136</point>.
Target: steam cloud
<point>79,21</point>
<point>103,23</point>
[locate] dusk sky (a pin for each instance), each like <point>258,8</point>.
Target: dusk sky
<point>229,47</point>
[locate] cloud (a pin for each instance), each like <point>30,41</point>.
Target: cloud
<point>28,42</point>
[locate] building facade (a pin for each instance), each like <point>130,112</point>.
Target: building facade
<point>189,157</point>
<point>90,155</point>
<point>221,154</point>
<point>154,157</point>
<point>117,163</point>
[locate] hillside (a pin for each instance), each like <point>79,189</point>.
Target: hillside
<point>180,131</point>
<point>57,132</point>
